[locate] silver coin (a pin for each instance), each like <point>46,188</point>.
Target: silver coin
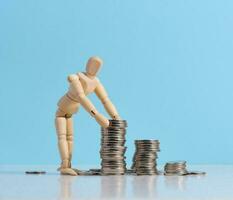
<point>112,151</point>
<point>113,148</point>
<point>103,154</point>
<point>180,162</point>
<point>176,174</point>
<point>130,171</point>
<point>120,132</point>
<point>114,129</point>
<point>113,162</point>
<point>114,157</point>
<point>85,173</point>
<point>117,125</point>
<point>195,173</point>
<point>113,121</point>
<point>95,170</point>
<point>177,168</point>
<point>35,172</point>
<point>144,159</point>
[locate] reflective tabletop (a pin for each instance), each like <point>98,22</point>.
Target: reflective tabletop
<point>15,184</point>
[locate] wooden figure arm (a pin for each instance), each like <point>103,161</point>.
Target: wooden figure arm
<point>108,105</point>
<point>85,102</point>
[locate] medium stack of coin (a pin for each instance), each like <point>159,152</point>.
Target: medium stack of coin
<point>144,160</point>
<point>113,148</point>
<point>175,168</point>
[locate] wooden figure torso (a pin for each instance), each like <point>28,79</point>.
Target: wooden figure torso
<point>69,103</point>
<point>88,84</point>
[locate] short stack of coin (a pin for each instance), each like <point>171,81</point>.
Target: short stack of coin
<point>175,168</point>
<point>144,160</point>
<point>113,148</point>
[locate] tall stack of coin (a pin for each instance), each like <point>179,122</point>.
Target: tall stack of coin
<point>175,168</point>
<point>144,160</point>
<point>113,148</point>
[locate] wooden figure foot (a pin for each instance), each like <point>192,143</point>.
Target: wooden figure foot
<point>68,171</point>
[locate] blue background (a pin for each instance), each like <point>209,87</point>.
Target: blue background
<point>167,67</point>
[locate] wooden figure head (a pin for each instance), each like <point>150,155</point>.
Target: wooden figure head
<point>93,65</point>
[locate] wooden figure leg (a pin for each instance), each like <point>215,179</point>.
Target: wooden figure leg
<point>70,132</point>
<point>61,127</point>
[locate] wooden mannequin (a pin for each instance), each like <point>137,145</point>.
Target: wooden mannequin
<point>81,84</point>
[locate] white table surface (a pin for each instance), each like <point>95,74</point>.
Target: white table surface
<point>15,184</point>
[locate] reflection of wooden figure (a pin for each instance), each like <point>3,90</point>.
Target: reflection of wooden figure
<point>65,192</point>
<point>81,84</point>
